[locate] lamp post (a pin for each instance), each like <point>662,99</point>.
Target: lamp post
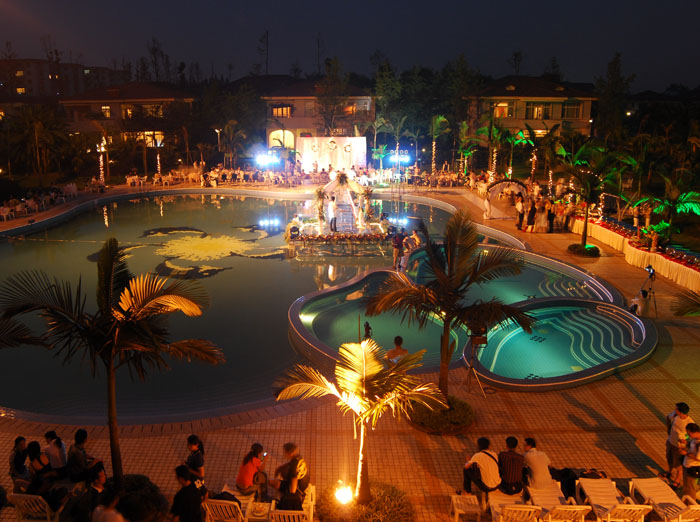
<point>218,138</point>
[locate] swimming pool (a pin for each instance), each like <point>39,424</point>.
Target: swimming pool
<point>572,341</point>
<point>214,238</point>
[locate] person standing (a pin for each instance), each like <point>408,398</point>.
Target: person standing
<point>187,504</point>
<point>676,423</point>
<point>294,479</point>
<point>487,207</point>
<point>397,244</point>
<point>520,210</point>
<point>691,461</point>
<point>195,460</point>
<point>551,212</point>
<point>332,215</point>
<point>531,212</point>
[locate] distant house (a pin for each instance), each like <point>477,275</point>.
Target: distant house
<point>539,102</point>
<point>133,110</point>
<point>294,111</point>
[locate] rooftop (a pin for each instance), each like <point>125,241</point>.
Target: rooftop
<point>534,87</point>
<point>131,92</point>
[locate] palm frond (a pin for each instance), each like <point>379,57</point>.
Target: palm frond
<point>399,295</point>
<point>199,349</point>
<point>13,333</point>
<point>304,382</point>
<point>487,314</point>
<point>147,295</point>
<point>493,264</point>
<point>358,364</point>
<point>112,275</point>
<point>686,304</point>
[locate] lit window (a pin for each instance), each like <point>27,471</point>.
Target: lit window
<point>106,111</point>
<point>571,111</point>
<point>282,112</point>
<point>538,111</point>
<point>86,71</point>
<point>155,111</point>
<point>50,76</point>
<point>503,109</point>
<point>19,73</point>
<point>127,112</point>
<point>21,90</point>
<point>2,114</point>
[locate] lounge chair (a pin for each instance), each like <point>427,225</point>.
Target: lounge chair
<point>555,507</point>
<point>607,502</point>
<point>222,511</point>
<point>465,505</point>
<point>33,507</point>
<point>279,515</point>
<point>664,500</point>
<point>510,508</point>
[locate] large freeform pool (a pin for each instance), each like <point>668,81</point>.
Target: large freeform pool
<point>215,239</point>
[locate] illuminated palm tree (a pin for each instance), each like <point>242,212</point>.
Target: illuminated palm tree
<point>674,202</point>
<point>368,388</point>
<point>592,169</point>
<point>542,147</point>
<point>453,268</point>
<point>127,330</point>
<point>438,126</point>
<point>467,145</point>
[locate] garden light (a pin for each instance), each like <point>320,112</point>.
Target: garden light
<point>343,494</point>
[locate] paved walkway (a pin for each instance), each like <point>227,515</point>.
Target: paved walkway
<point>615,424</point>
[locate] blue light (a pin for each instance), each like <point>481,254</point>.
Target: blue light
<point>266,159</point>
<point>402,158</point>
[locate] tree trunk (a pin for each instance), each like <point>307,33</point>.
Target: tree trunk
<point>433,167</point>
<point>584,234</point>
<point>445,357</point>
<point>145,161</point>
<point>363,495</point>
<point>107,158</point>
<point>114,446</point>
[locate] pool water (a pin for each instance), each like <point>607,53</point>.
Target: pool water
<point>565,340</point>
<point>214,239</point>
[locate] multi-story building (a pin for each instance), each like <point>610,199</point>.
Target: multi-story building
<point>133,110</point>
<point>295,111</point>
<point>36,79</point>
<point>539,102</point>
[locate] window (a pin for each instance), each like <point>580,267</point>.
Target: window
<point>154,111</point>
<point>2,114</point>
<point>127,112</point>
<point>538,111</point>
<point>282,112</point>
<point>571,111</point>
<point>19,73</point>
<point>503,109</point>
<point>86,71</point>
<point>21,90</point>
<point>106,111</point>
<point>152,138</point>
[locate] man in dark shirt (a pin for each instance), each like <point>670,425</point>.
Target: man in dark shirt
<point>80,465</point>
<point>86,504</point>
<point>510,466</point>
<point>18,465</point>
<point>295,479</point>
<point>187,504</point>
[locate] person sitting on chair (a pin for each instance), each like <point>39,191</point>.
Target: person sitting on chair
<point>253,464</point>
<point>510,466</point>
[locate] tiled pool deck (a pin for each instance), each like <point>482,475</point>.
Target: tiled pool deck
<point>615,424</point>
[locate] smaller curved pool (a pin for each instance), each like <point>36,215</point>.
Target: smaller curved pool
<point>572,341</point>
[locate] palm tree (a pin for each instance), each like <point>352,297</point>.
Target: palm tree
<point>415,134</point>
<point>396,129</point>
<point>438,126</point>
<point>127,330</point>
<point>377,126</point>
<point>234,137</point>
<point>379,154</point>
<point>453,269</point>
<point>674,202</point>
<point>467,145</point>
<point>367,388</point>
<point>542,147</point>
<point>592,169</point>
<point>514,140</point>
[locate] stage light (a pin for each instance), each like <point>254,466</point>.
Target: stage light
<point>264,160</point>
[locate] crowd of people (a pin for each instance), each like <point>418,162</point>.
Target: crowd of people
<point>510,471</point>
<point>77,482</point>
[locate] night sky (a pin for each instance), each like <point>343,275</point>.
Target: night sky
<point>658,40</point>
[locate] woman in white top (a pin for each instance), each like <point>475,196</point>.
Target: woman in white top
<point>55,450</point>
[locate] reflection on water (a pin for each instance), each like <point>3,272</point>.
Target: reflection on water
<point>243,268</point>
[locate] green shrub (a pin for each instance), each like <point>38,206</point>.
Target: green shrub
<point>586,251</point>
<point>142,500</point>
<point>388,503</point>
<point>456,418</point>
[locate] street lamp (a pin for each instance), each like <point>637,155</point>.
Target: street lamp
<point>218,138</point>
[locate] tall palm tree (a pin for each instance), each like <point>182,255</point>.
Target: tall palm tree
<point>415,134</point>
<point>453,268</point>
<point>468,145</point>
<point>127,330</point>
<point>378,126</point>
<point>513,140</point>
<point>592,169</point>
<point>438,126</point>
<point>396,129</point>
<point>234,137</point>
<point>367,388</point>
